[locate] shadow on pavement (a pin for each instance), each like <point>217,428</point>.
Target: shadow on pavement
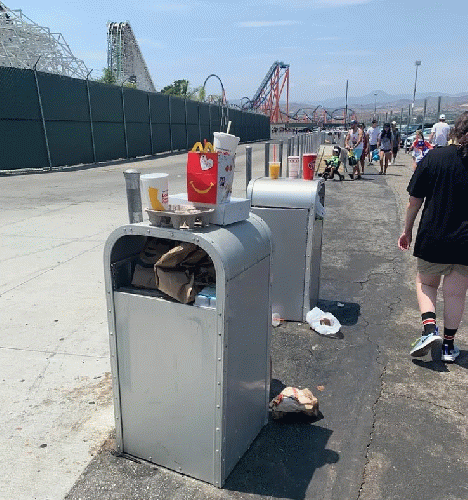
<point>283,459</point>
<point>347,313</point>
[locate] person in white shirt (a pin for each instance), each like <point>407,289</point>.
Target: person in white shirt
<point>373,135</point>
<point>439,133</point>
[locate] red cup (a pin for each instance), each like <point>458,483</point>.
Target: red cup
<point>308,165</point>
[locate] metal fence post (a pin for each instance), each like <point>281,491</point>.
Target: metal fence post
<point>248,165</point>
<point>124,120</point>
<point>186,126</point>
<point>169,100</point>
<point>132,182</point>
<point>44,129</point>
<point>90,117</point>
<point>267,158</point>
<point>150,125</point>
<point>280,156</point>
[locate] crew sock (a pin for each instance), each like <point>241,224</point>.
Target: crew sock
<point>449,335</point>
<point>429,322</point>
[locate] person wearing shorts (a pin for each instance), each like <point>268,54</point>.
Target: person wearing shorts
<point>354,142</point>
<point>385,143</point>
<point>372,137</point>
<point>396,142</point>
<point>440,182</point>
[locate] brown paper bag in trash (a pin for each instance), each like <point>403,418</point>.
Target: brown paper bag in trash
<point>177,284</point>
<point>173,275</point>
<point>293,400</point>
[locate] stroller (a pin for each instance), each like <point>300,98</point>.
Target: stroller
<point>332,165</point>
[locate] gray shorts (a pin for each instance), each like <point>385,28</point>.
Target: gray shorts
<point>425,267</point>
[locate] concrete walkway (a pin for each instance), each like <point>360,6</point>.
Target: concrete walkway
<point>391,427</point>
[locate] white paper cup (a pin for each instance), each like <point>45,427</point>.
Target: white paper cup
<point>293,164</point>
<point>225,143</point>
<point>154,191</point>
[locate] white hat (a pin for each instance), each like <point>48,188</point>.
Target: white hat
<point>393,122</point>
<point>442,117</point>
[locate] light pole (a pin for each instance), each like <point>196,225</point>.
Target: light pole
<point>417,64</point>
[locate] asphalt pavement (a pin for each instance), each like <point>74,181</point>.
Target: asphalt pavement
<point>390,427</point>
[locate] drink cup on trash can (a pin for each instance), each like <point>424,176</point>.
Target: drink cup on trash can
<point>308,165</point>
<point>293,166</point>
<point>274,169</point>
<point>154,191</point>
<point>225,143</point>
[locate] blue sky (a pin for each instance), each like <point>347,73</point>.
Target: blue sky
<point>371,43</point>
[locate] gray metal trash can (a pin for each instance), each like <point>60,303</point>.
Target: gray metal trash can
<point>293,210</point>
<point>191,384</point>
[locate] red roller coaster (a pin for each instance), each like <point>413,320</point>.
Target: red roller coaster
<point>267,97</point>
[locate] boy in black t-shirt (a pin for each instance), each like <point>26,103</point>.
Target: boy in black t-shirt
<point>441,182</point>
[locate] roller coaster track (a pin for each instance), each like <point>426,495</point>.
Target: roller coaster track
<point>268,94</point>
<point>124,58</point>
<point>25,44</point>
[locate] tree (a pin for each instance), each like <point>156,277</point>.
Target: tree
<point>108,77</point>
<point>178,88</point>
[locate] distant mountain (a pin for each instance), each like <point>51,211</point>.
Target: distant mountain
<point>380,97</point>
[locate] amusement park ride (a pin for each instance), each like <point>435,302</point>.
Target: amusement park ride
<point>25,44</point>
<point>267,100</point>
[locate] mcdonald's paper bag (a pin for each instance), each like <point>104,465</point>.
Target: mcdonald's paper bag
<point>209,177</point>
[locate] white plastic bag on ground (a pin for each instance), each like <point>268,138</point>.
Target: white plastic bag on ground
<point>323,322</point>
<point>293,400</point>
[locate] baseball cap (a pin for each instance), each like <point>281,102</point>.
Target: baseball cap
<point>374,121</point>
<point>442,117</point>
<point>393,122</point>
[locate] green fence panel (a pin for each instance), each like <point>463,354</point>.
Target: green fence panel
<point>159,104</point>
<point>177,110</point>
<point>137,122</point>
<point>161,138</point>
<point>109,141</point>
<point>107,114</point>
<point>63,98</point>
<point>193,126</point>
<point>205,132</point>
<point>178,125</point>
<point>160,122</point>
<point>106,102</point>
<point>18,95</point>
<point>215,113</point>
<point>69,143</point>
<point>138,139</point>
<point>26,146</point>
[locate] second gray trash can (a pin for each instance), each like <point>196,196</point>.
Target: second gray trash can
<point>293,210</point>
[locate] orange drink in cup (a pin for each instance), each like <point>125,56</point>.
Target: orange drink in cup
<point>274,169</point>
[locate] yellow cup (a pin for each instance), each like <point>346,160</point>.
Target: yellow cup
<point>274,169</point>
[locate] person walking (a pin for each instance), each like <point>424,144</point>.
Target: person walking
<point>385,144</point>
<point>372,135</point>
<point>365,150</point>
<point>354,143</point>
<point>439,133</point>
<point>440,181</point>
<point>396,142</point>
